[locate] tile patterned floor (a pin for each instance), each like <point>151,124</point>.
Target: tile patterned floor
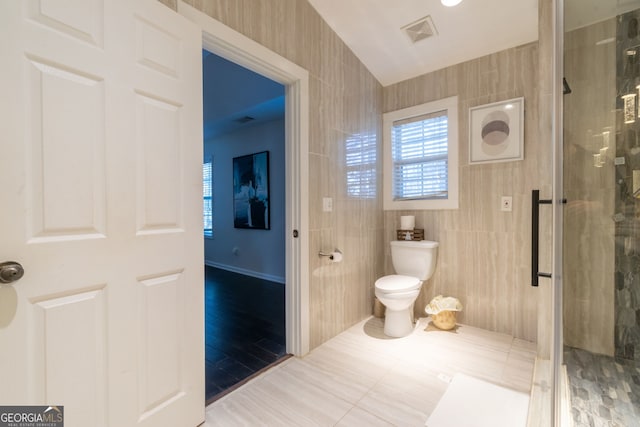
<point>245,328</point>
<point>605,392</point>
<point>363,378</point>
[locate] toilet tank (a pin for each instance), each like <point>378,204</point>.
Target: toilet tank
<point>415,258</point>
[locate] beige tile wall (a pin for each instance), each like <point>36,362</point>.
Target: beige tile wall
<point>588,285</point>
<point>484,255</point>
<point>545,128</point>
<point>170,3</point>
<point>345,105</point>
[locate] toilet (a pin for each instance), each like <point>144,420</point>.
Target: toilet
<point>414,262</point>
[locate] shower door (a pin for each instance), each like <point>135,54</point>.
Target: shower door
<point>599,330</point>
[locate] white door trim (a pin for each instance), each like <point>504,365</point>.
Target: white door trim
<point>234,46</point>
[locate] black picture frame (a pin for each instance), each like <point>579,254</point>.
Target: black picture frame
<point>251,191</point>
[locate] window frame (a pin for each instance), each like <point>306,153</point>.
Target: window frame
<point>450,105</point>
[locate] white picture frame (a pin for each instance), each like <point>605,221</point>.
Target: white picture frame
<point>496,132</point>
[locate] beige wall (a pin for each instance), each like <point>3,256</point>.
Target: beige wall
<point>588,285</point>
<point>345,104</point>
<point>546,51</point>
<point>484,254</point>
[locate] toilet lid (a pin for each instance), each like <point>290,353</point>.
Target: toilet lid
<point>397,282</point>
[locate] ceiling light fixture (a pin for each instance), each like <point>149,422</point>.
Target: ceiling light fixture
<point>450,3</point>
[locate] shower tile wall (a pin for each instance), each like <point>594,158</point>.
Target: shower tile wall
<point>627,207</point>
<point>589,184</point>
<point>345,117</point>
<point>485,254</point>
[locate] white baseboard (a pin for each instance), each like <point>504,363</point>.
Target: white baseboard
<point>256,274</point>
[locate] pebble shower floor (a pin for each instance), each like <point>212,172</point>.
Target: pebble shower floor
<point>605,391</point>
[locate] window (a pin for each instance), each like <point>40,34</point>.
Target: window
<point>421,156</point>
<point>207,196</point>
<point>360,153</point>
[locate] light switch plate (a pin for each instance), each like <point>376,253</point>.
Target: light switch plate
<point>327,204</point>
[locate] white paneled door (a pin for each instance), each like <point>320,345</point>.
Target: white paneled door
<point>100,167</point>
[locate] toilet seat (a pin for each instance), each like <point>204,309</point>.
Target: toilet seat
<point>397,283</point>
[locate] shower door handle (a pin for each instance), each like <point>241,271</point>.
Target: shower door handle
<point>535,235</point>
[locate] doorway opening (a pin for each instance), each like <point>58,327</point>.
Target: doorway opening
<point>244,227</point>
<point>233,46</point>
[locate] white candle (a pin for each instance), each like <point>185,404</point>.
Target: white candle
<point>407,222</point>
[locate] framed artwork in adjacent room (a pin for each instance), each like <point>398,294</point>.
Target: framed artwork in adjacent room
<point>251,191</point>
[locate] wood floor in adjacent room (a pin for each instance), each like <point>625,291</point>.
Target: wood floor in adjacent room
<point>244,328</point>
<point>363,378</point>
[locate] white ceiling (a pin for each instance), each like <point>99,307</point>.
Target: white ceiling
<point>371,28</point>
<point>474,28</point>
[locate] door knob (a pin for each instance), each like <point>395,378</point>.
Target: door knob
<point>10,271</point>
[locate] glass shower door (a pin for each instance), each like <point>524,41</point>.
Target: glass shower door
<point>600,279</point>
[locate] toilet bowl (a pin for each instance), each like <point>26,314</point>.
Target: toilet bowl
<point>415,263</point>
<point>398,293</point>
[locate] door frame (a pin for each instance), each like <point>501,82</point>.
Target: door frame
<point>236,47</point>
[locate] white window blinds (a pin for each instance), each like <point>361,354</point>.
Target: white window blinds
<point>360,153</point>
<point>419,149</point>
<point>207,195</point>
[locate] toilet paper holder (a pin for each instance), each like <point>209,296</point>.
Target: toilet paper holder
<point>330,254</point>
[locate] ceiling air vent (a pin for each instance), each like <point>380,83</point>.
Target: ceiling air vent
<point>421,29</point>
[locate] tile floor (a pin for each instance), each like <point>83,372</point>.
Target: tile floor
<point>363,378</point>
<point>244,328</point>
<point>605,391</point>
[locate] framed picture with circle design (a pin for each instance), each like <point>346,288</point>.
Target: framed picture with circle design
<point>496,132</point>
